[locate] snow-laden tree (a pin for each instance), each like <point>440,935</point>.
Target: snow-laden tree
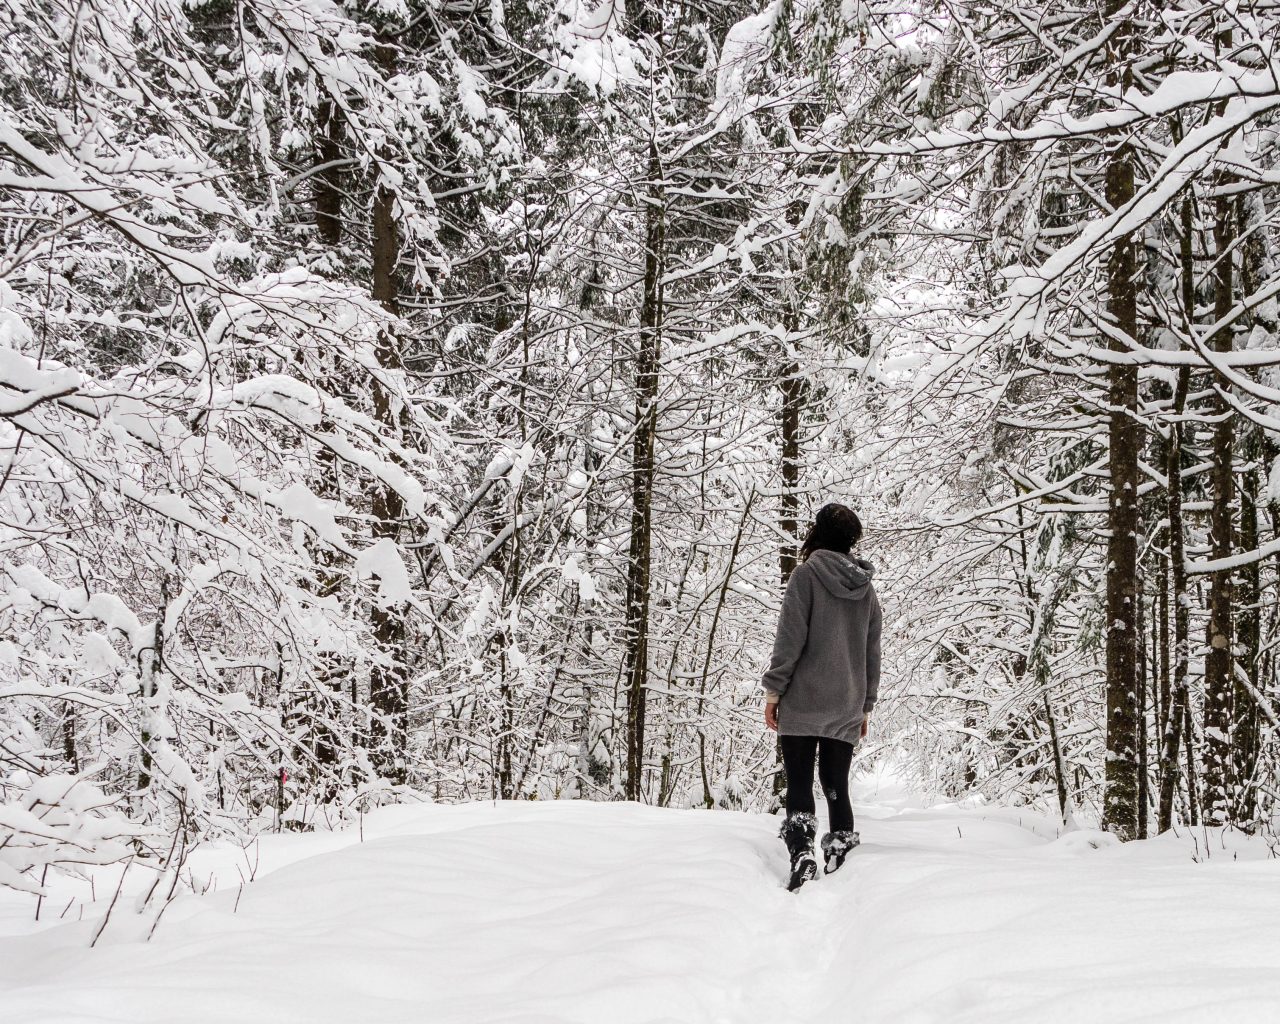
<point>403,399</point>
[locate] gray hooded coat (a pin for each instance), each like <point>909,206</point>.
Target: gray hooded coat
<point>825,668</point>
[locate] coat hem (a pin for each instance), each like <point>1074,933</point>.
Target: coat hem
<point>852,737</point>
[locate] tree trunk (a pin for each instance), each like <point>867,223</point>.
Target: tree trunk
<point>1176,702</point>
<point>148,667</point>
<point>642,472</point>
<point>388,682</point>
<point>150,664</point>
<point>1193,786</point>
<point>1120,802</point>
<point>1219,681</point>
<point>1144,794</point>
<point>1059,769</point>
<point>70,723</point>
<point>327,182</point>
<point>1247,722</point>
<point>325,703</point>
<point>1177,708</point>
<point>721,597</point>
<point>794,391</point>
<point>1161,684</point>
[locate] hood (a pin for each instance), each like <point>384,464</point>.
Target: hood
<point>842,575</point>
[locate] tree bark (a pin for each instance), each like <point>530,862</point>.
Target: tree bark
<point>1120,801</point>
<point>69,728</point>
<point>1246,719</point>
<point>1144,794</point>
<point>1177,700</point>
<point>150,664</point>
<point>1177,708</point>
<point>388,681</point>
<point>1163,659</point>
<point>1219,681</point>
<point>1193,787</point>
<point>333,672</point>
<point>327,183</point>
<point>648,352</point>
<point>1059,769</point>
<point>793,391</point>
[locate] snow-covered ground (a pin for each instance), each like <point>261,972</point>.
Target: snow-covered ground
<point>604,913</point>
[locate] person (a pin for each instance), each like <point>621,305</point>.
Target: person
<point>822,683</point>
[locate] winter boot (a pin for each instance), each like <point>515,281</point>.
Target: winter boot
<point>798,832</point>
<point>836,847</point>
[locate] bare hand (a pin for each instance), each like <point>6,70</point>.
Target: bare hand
<point>771,715</point>
<point>866,726</point>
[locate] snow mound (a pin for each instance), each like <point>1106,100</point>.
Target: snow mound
<point>1086,841</point>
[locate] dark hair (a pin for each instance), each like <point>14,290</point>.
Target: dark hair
<point>835,528</point>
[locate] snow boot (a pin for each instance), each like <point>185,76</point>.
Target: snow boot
<point>798,832</point>
<point>836,847</point>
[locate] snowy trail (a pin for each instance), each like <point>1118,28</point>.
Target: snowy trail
<point>616,913</point>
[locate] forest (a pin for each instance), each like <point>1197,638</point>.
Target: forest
<point>425,399</point>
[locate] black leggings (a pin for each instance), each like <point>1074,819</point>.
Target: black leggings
<point>834,759</point>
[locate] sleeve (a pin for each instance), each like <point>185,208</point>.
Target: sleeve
<point>873,656</point>
<point>793,632</point>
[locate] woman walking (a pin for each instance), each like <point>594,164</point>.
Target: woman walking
<point>822,684</point>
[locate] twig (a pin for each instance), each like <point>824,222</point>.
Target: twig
<point>40,897</point>
<point>107,916</point>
